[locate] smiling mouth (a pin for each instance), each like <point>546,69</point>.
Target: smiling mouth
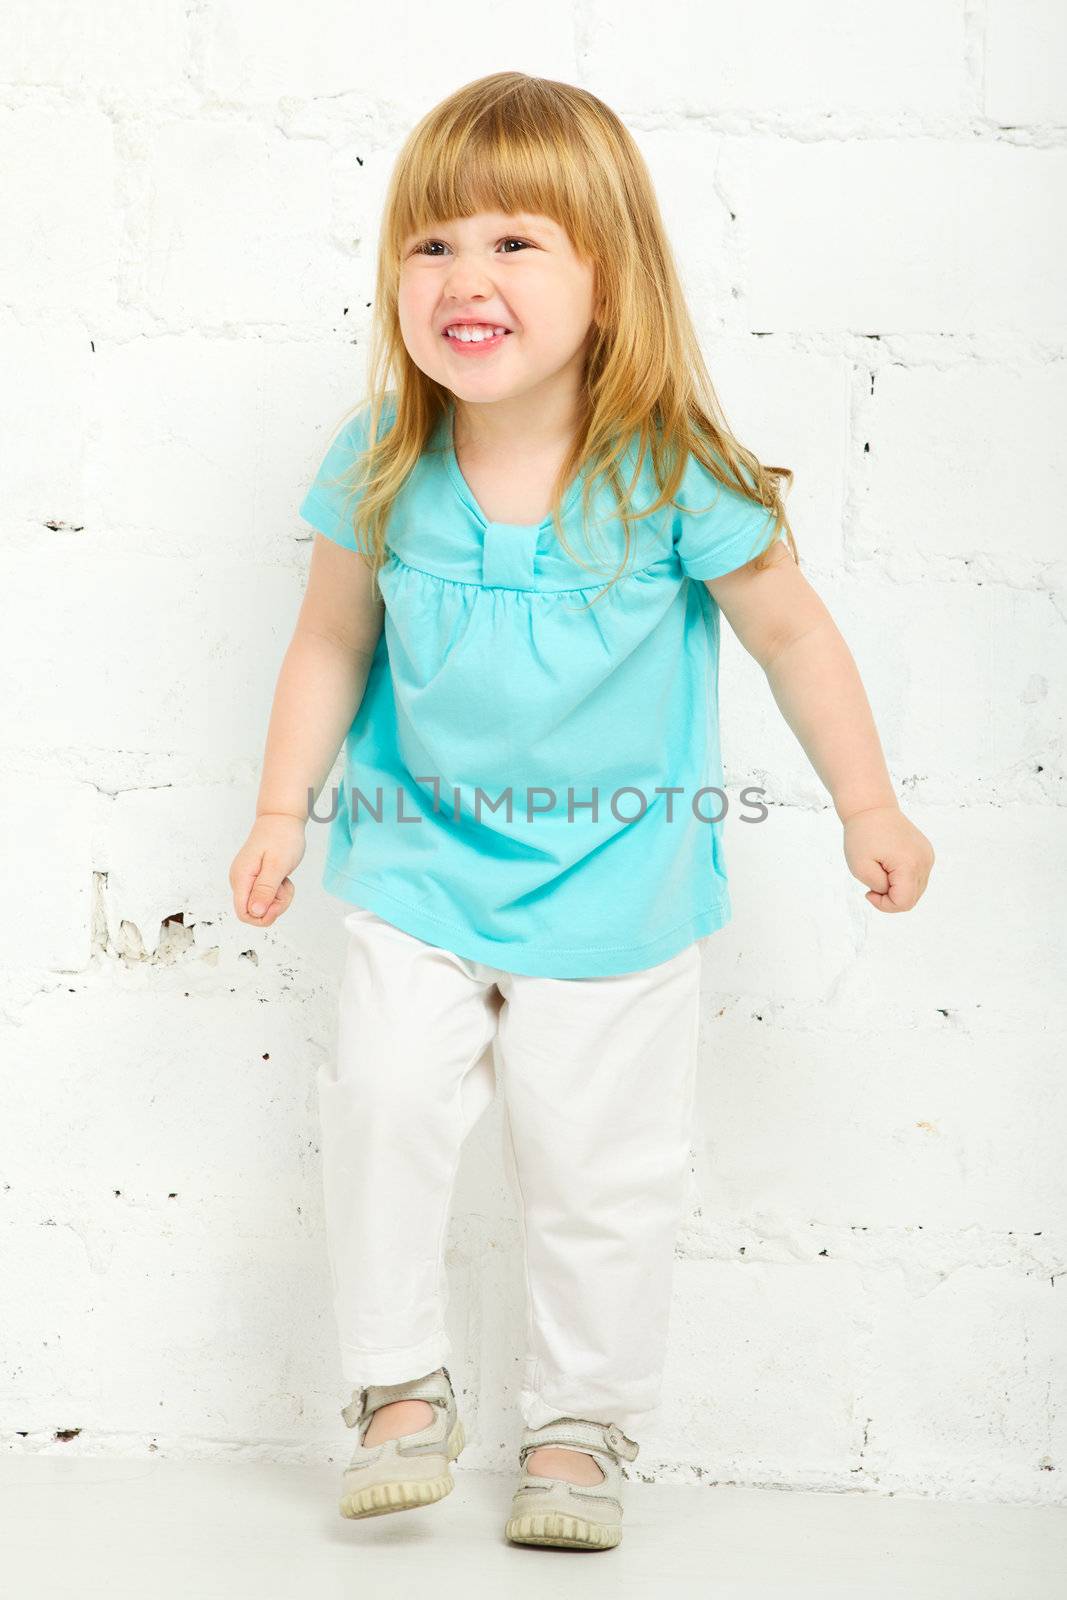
<point>469,349</point>
<point>475,333</point>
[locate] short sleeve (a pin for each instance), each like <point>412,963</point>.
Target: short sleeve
<point>723,530</point>
<point>329,503</point>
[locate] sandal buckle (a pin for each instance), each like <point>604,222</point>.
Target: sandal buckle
<point>627,1448</point>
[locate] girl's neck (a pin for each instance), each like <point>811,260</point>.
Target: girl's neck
<point>511,478</point>
<point>504,429</point>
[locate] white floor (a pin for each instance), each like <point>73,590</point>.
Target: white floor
<point>157,1530</point>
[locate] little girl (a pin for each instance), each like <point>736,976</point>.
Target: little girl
<point>526,536</point>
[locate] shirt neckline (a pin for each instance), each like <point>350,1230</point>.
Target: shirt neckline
<point>466,494</point>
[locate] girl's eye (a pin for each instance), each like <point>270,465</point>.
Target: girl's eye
<point>421,249</point>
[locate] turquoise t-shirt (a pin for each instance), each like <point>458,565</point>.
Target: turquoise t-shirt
<point>511,749</point>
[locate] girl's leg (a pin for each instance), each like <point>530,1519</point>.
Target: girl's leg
<point>413,1073</point>
<point>599,1076</point>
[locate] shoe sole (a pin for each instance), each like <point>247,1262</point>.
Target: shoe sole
<point>404,1494</point>
<point>568,1533</point>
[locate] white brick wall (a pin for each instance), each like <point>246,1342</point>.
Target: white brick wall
<point>866,205</point>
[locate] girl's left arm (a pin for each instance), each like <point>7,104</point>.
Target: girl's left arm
<point>784,624</point>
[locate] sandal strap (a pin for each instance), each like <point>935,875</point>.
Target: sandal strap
<point>436,1387</point>
<point>580,1434</point>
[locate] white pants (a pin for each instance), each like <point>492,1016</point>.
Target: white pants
<point>598,1076</point>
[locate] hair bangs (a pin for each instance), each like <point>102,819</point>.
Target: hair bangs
<point>514,154</point>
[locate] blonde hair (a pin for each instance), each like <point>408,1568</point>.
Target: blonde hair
<point>513,143</point>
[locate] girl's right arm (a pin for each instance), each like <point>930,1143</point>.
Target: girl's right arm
<point>320,686</point>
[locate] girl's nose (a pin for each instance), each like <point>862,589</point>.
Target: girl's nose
<point>468,277</point>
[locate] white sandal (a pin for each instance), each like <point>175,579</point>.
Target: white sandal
<point>573,1516</point>
<point>401,1474</point>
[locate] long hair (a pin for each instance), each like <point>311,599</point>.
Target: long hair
<point>512,143</point>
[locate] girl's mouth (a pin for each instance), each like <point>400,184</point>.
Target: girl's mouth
<point>474,347</point>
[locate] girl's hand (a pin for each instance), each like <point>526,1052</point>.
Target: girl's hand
<point>886,851</point>
<point>259,877</point>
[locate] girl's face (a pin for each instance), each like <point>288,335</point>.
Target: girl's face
<point>519,273</point>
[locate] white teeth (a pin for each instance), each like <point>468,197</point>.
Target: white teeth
<point>472,333</point>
